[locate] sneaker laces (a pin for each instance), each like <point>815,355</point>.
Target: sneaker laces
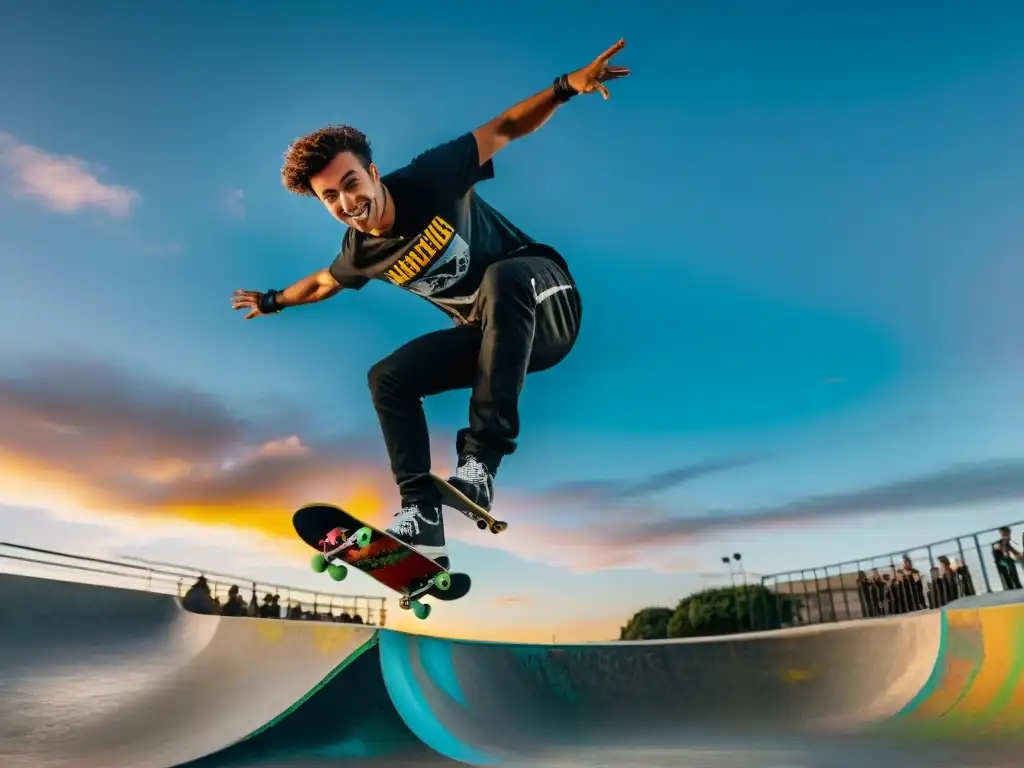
<point>472,471</point>
<point>407,522</point>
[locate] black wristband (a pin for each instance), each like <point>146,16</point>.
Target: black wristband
<point>563,91</point>
<point>268,302</point>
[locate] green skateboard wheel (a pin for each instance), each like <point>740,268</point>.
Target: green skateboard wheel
<point>420,610</point>
<point>318,563</point>
<point>337,572</point>
<point>442,581</point>
<point>363,536</point>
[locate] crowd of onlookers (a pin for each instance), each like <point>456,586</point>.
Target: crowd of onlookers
<point>902,590</point>
<point>905,589</point>
<point>201,599</point>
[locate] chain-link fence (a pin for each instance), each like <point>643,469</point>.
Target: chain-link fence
<point>923,577</point>
<point>254,598</point>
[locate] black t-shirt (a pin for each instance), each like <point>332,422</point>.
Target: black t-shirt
<point>444,236</point>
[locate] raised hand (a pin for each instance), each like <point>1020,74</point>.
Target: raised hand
<point>247,300</point>
<point>592,77</point>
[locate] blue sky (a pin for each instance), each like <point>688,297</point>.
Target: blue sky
<point>796,231</point>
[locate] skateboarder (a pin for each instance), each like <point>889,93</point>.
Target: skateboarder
<point>422,227</point>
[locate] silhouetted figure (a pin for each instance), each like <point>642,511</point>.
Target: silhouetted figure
<point>936,594</point>
<point>879,592</point>
<point>198,598</point>
<point>889,599</point>
<point>945,586</point>
<point>235,606</point>
<point>870,595</point>
<point>963,576</point>
<point>1004,554</point>
<point>912,586</point>
<point>268,610</point>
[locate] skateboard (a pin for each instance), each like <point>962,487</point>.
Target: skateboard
<point>343,540</point>
<point>452,497</point>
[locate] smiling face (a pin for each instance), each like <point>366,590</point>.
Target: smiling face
<point>351,191</point>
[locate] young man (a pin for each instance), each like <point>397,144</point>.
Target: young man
<point>424,228</point>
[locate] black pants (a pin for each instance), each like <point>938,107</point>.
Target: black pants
<point>526,319</point>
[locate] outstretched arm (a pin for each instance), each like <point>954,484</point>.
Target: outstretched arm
<point>316,287</point>
<point>530,114</point>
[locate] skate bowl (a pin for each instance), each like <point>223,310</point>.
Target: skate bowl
<point>96,676</point>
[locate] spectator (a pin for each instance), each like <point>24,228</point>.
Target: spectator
<point>1004,554</point>
<point>889,603</point>
<point>879,584</point>
<point>870,596</point>
<point>913,586</point>
<point>945,582</point>
<point>963,576</point>
<point>198,598</point>
<point>267,609</point>
<point>899,593</point>
<point>254,606</point>
<point>235,606</point>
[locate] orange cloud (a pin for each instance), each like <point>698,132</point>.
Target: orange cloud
<point>510,600</point>
<point>87,438</point>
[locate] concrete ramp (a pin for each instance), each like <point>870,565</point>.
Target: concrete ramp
<point>93,677</point>
<point>880,690</point>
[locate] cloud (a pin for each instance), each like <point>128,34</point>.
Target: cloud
<point>63,183</point>
<point>236,203</point>
<point>959,485</point>
<point>613,491</point>
<point>86,435</point>
<point>510,600</point>
<point>86,439</point>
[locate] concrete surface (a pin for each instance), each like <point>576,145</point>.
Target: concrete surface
<point>93,676</point>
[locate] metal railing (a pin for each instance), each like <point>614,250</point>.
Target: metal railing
<point>173,579</point>
<point>922,577</point>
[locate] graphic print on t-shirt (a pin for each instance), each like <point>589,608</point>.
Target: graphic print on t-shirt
<point>437,260</point>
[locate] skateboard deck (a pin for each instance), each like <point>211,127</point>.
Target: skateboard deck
<point>452,497</point>
<point>343,541</point>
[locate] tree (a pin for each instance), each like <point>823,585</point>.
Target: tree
<point>727,610</point>
<point>647,624</point>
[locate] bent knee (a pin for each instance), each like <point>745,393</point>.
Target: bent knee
<point>381,375</point>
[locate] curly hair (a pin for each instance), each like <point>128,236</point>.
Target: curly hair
<point>309,155</point>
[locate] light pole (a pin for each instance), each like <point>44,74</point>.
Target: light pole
<point>746,592</point>
<point>743,571</point>
<point>732,574</point>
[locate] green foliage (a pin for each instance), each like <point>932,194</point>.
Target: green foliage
<point>719,611</point>
<point>647,624</point>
